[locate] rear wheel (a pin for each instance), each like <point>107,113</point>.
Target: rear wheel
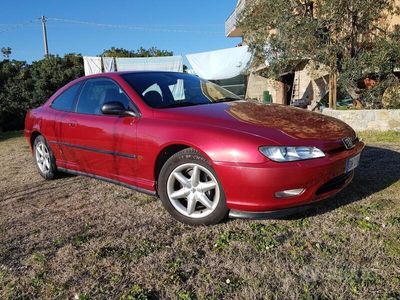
<point>190,190</point>
<point>44,158</point>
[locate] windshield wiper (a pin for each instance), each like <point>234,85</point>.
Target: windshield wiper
<point>227,99</point>
<point>183,104</point>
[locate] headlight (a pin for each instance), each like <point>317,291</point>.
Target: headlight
<point>285,154</point>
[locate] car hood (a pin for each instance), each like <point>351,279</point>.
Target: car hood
<point>271,121</point>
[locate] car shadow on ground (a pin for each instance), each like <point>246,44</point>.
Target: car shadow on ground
<point>379,168</point>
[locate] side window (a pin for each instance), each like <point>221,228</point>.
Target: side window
<point>65,101</point>
<point>96,92</point>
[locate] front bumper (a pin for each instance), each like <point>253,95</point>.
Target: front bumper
<point>250,189</point>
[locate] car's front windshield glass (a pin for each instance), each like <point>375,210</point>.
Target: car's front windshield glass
<point>168,89</point>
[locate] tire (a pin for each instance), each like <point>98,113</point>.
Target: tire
<point>44,158</point>
<point>190,190</point>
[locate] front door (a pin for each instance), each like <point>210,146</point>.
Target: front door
<point>99,144</point>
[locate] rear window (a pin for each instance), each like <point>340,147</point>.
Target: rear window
<point>66,101</point>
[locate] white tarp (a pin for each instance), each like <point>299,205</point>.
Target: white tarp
<point>220,64</point>
<point>92,65</point>
<point>164,63</point>
<point>108,64</point>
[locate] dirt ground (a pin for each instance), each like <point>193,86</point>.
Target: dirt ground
<point>79,238</point>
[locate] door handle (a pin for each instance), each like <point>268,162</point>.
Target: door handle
<point>72,124</point>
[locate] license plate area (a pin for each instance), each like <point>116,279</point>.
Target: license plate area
<point>352,163</point>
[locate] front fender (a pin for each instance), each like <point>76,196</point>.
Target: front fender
<point>216,144</point>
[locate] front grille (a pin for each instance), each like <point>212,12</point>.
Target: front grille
<point>335,183</point>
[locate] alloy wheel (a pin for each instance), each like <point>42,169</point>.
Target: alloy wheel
<point>193,190</point>
<point>43,157</point>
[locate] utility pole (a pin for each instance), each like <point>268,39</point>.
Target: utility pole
<point>46,47</point>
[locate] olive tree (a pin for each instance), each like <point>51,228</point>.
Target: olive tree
<point>353,38</point>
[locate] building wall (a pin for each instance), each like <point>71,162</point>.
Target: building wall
<point>257,84</point>
<point>395,20</point>
<point>312,83</point>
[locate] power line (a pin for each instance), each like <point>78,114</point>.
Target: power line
<point>150,28</point>
<point>17,26</point>
<point>155,28</point>
<point>147,25</point>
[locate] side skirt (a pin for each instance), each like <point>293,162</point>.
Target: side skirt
<point>131,187</point>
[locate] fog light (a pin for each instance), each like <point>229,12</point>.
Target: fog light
<point>289,193</point>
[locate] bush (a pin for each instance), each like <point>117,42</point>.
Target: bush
<point>24,86</point>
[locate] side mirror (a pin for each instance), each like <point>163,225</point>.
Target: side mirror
<point>116,108</point>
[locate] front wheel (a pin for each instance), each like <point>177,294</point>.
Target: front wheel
<point>190,190</point>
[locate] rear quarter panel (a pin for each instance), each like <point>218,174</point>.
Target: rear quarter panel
<point>33,122</point>
<point>43,121</point>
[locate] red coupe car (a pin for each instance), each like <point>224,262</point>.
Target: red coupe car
<point>204,151</point>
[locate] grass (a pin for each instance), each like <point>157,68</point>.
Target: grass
<point>81,238</point>
<point>380,137</point>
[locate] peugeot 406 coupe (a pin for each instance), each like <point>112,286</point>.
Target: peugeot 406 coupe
<point>206,153</point>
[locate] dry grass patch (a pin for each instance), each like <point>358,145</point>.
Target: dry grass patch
<point>78,237</point>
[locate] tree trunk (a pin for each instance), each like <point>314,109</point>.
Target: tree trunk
<point>332,90</point>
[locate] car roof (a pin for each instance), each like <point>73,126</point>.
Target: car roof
<point>131,72</point>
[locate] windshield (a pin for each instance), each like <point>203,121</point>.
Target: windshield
<point>168,89</point>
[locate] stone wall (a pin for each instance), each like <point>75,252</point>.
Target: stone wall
<point>362,120</point>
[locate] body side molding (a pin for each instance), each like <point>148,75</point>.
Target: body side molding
<point>126,155</point>
<point>132,187</point>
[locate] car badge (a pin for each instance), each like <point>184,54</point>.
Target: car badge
<point>348,143</point>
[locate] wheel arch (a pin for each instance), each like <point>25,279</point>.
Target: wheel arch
<point>34,135</point>
<point>169,150</point>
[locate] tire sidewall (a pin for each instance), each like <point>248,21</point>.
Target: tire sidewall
<point>53,168</point>
<point>180,158</point>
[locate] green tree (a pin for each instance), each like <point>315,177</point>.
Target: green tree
<point>6,51</point>
<point>117,52</point>
<point>141,52</point>
<point>24,86</point>
<point>351,37</point>
<point>13,103</point>
<point>50,74</point>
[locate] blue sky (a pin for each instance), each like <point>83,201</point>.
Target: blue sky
<point>183,26</point>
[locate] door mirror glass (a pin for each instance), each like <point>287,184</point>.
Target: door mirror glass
<point>116,108</point>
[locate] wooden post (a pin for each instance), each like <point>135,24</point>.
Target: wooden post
<point>332,90</point>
